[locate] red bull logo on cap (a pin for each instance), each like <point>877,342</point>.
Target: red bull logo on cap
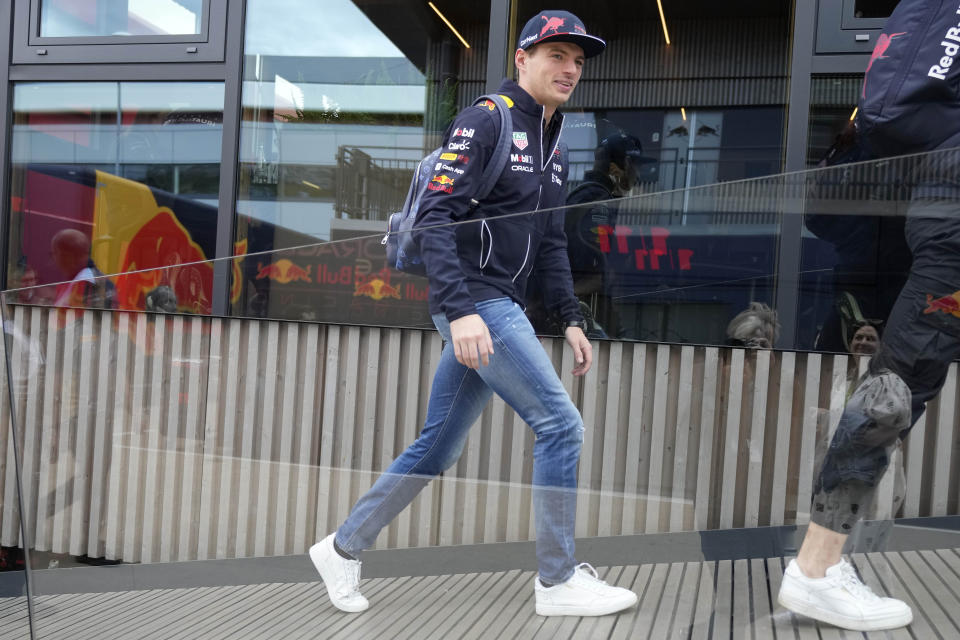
<point>551,24</point>
<point>947,304</point>
<point>283,271</point>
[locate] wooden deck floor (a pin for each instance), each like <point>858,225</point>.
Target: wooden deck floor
<point>695,600</point>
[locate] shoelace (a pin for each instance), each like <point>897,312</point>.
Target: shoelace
<point>852,583</point>
<point>353,580</point>
<point>588,568</point>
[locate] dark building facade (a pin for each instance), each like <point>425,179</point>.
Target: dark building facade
<point>231,128</point>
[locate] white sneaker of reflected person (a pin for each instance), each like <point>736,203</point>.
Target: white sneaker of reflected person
<point>840,598</point>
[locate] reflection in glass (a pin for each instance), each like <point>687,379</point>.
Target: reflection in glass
<point>155,438</point>
<point>332,130</point>
<point>874,8</point>
<point>86,18</point>
<point>110,178</point>
<point>849,289</point>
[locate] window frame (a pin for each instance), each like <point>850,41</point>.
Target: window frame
<point>30,48</point>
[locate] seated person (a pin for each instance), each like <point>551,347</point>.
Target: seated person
<point>756,327</point>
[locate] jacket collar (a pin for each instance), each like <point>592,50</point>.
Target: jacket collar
<point>524,100</point>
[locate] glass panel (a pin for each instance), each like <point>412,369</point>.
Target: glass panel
<point>874,8</point>
<point>114,177</point>
<point>673,131</point>
<point>14,612</point>
<point>155,438</point>
<point>833,99</point>
<point>334,126</point>
<point>87,18</point>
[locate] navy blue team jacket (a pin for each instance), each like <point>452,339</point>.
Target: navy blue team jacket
<point>493,257</point>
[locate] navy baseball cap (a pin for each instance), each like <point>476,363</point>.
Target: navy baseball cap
<point>618,147</point>
<point>559,26</point>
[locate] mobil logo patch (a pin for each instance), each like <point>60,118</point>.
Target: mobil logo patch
<point>520,140</point>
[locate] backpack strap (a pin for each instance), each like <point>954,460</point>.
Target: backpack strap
<point>412,191</point>
<point>501,153</point>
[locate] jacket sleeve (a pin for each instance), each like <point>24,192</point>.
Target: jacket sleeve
<point>552,265</point>
<point>452,183</point>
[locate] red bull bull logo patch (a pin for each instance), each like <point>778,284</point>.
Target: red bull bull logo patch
<point>283,271</point>
<point>883,43</point>
<point>491,105</point>
<point>376,289</point>
<point>441,183</point>
<point>947,304</point>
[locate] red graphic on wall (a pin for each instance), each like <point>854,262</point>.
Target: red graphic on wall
<point>646,256</point>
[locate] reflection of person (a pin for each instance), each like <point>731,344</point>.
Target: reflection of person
<point>477,286</point>
<point>590,226</point>
<point>755,327</point>
<point>25,278</point>
<point>161,299</point>
<point>872,257</point>
<point>921,339</point>
<point>70,250</point>
<point>865,340</point>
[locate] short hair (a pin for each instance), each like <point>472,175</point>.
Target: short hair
<point>758,317</point>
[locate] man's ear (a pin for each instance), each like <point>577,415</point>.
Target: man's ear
<point>520,59</point>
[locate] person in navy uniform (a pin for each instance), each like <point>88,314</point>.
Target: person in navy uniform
<point>478,275</point>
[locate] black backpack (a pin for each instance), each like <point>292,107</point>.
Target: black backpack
<point>910,101</point>
<point>403,253</point>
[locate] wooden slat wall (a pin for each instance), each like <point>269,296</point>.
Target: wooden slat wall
<point>158,438</point>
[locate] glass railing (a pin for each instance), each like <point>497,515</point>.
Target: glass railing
<point>15,606</point>
<point>176,465</point>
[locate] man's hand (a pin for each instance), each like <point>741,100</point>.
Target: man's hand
<point>582,350</point>
<point>471,341</point>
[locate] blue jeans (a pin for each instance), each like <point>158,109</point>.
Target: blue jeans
<point>521,373</point>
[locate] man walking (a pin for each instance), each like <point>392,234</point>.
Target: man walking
<point>922,336</point>
<point>478,275</point>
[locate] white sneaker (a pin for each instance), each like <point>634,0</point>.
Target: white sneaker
<point>584,594</point>
<point>840,599</point>
<point>340,576</point>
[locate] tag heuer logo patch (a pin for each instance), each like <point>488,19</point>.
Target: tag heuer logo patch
<point>520,140</point>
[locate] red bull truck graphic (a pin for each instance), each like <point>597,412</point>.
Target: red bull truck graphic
<point>144,237</point>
